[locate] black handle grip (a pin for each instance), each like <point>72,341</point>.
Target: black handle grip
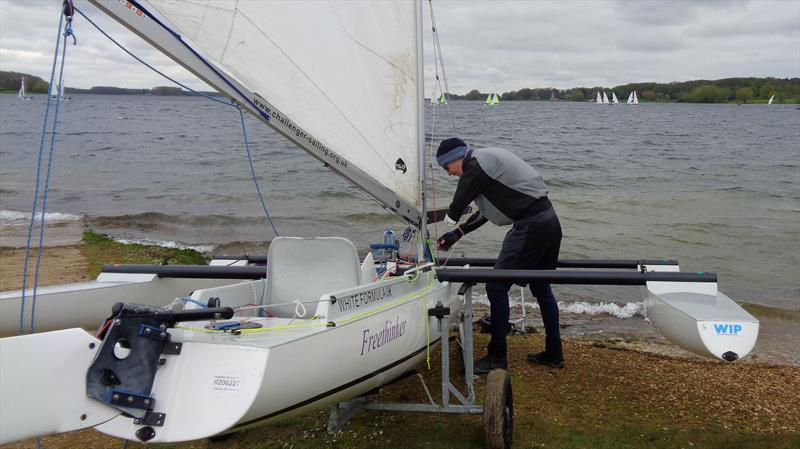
<point>212,313</point>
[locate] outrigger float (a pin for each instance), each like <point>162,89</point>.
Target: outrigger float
<point>192,352</point>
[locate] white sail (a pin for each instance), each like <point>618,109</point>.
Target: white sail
<point>605,98</point>
<point>630,98</point>
<point>21,94</point>
<point>495,99</point>
<point>635,100</point>
<point>614,99</point>
<point>375,147</point>
<point>770,99</point>
<point>599,98</point>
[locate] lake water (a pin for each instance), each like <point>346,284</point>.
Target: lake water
<point>715,186</point>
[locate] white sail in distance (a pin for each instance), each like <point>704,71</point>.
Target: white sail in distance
<point>614,99</point>
<point>635,99</point>
<point>296,78</point>
<point>630,98</point>
<point>605,98</point>
<point>599,98</point>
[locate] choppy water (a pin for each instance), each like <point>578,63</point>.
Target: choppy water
<point>715,186</point>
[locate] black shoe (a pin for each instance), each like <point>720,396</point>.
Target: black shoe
<point>546,359</point>
<point>489,363</point>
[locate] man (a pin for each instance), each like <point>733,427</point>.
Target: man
<point>507,191</point>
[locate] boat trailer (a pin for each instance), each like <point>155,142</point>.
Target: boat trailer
<point>498,402</point>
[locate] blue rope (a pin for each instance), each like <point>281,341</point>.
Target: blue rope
<point>67,32</point>
<point>244,129</point>
<point>193,301</point>
<point>253,171</point>
<point>38,176</point>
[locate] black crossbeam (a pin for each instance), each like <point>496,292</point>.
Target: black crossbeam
<point>190,271</point>
<point>564,263</point>
<point>569,276</point>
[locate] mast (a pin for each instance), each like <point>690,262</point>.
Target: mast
<point>423,225</point>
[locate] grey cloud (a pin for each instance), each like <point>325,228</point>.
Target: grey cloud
<point>487,45</point>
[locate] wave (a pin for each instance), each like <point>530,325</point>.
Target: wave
<point>147,220</point>
<point>16,218</point>
<point>205,249</point>
<point>628,310</point>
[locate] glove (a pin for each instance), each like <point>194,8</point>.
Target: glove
<point>448,239</point>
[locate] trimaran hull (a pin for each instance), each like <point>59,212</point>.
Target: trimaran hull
<point>86,304</point>
<point>286,368</point>
<point>700,318</point>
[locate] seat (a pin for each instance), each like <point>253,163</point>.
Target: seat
<point>306,268</point>
<point>368,272</point>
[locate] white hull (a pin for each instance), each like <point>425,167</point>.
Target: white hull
<point>701,319</point>
<point>282,373</point>
<point>86,304</point>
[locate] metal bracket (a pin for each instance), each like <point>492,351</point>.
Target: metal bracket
<point>172,348</point>
<point>130,400</point>
<point>151,419</point>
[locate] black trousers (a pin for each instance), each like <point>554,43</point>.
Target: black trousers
<point>532,243</point>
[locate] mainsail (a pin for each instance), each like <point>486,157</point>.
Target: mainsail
<point>256,53</point>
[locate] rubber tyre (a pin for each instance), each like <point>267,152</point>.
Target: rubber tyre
<point>498,410</point>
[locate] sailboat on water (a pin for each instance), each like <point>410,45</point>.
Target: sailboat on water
<point>59,93</point>
<point>614,99</point>
<point>605,98</point>
<point>599,98</point>
<point>772,97</point>
<point>243,345</point>
<point>632,98</point>
<point>21,94</point>
<point>492,99</point>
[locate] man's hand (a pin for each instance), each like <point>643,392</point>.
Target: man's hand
<point>448,239</point>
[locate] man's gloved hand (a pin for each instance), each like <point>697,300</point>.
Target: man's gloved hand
<point>448,239</point>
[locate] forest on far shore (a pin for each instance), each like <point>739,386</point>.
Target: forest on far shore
<point>728,90</point>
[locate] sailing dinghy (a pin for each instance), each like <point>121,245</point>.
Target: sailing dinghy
<point>21,94</point>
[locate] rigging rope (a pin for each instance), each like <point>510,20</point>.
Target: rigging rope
<point>45,119</point>
<point>231,104</point>
<point>438,61</point>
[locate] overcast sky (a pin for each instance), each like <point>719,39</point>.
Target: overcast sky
<point>487,45</point>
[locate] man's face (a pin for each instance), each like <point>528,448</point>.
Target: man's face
<point>455,168</point>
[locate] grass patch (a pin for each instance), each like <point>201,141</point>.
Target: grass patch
<point>760,311</point>
<point>99,249</point>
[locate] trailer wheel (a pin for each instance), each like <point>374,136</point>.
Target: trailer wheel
<point>498,410</point>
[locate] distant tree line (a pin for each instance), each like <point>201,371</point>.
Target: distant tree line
<point>742,90</point>
<point>10,81</point>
